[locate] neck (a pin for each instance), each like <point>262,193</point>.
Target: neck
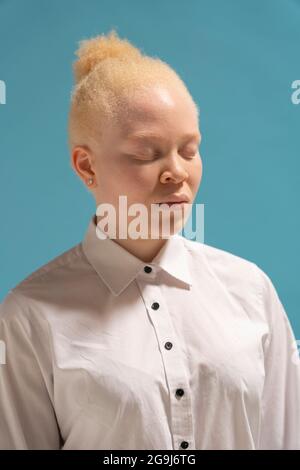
<point>144,249</point>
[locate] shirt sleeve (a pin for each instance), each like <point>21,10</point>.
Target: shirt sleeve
<point>27,417</point>
<point>280,417</point>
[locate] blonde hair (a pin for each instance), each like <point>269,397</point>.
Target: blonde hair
<point>107,72</point>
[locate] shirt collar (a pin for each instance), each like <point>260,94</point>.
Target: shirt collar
<point>118,268</point>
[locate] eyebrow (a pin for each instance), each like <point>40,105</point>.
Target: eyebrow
<point>150,135</point>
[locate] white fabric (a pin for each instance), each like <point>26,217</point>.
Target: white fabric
<point>88,364</point>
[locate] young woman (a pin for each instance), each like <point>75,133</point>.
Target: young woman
<point>127,342</point>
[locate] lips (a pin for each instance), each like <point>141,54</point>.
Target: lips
<point>176,199</point>
<point>172,203</point>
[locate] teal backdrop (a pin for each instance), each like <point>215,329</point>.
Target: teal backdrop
<point>239,59</point>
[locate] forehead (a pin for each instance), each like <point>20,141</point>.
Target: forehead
<point>155,113</point>
<point>153,136</point>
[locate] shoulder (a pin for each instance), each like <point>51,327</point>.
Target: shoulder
<point>49,283</point>
<point>53,268</point>
<point>223,263</point>
<point>242,278</point>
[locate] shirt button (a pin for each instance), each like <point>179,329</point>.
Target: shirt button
<point>155,305</point>
<point>168,345</point>
<point>184,445</point>
<point>179,392</point>
<point>147,269</point>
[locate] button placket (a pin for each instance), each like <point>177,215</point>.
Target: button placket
<point>181,416</point>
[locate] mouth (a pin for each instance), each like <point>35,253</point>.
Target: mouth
<point>175,200</point>
<point>177,204</point>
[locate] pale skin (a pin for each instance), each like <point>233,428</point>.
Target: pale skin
<point>149,170</point>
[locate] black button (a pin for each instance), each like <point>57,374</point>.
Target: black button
<point>155,305</point>
<point>147,269</point>
<point>168,345</point>
<point>179,392</point>
<point>184,445</point>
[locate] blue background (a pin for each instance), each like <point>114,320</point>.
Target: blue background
<point>238,58</point>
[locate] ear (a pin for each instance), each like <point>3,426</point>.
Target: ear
<point>82,163</point>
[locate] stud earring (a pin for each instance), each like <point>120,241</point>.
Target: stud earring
<point>90,181</point>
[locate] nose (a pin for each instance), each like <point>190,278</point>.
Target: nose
<point>174,172</point>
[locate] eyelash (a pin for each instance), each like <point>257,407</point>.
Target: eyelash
<point>156,156</point>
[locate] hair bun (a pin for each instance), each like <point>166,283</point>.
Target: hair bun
<point>94,50</point>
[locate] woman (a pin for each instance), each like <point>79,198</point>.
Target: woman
<point>144,342</point>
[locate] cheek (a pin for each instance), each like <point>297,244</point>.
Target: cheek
<point>132,180</point>
<point>196,174</point>
<point>142,178</point>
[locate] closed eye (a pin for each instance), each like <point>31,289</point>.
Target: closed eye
<point>137,158</point>
<point>189,154</point>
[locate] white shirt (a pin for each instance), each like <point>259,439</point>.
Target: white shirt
<point>196,354</point>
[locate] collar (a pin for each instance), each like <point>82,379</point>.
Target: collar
<point>118,268</point>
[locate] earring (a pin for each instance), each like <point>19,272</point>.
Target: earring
<point>90,181</point>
